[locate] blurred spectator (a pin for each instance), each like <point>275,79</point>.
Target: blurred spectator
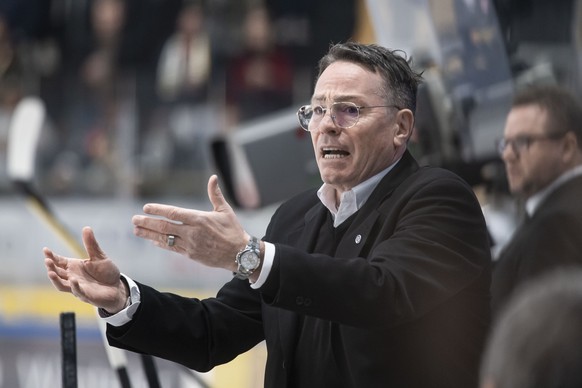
<point>11,78</point>
<point>185,61</point>
<point>260,78</point>
<point>537,341</point>
<point>177,137</point>
<point>259,81</point>
<point>96,96</point>
<point>24,62</point>
<point>12,72</point>
<point>107,17</point>
<point>99,71</point>
<point>150,21</point>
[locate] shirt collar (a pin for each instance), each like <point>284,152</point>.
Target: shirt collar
<point>352,200</point>
<point>533,202</point>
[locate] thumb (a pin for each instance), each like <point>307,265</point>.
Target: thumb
<point>215,195</point>
<point>91,246</point>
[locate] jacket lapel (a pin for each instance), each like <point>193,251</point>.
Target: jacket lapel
<point>361,227</point>
<point>305,238</point>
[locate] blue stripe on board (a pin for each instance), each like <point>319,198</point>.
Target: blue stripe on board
<point>31,329</point>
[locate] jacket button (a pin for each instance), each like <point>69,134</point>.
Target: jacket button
<point>299,300</point>
<point>307,302</point>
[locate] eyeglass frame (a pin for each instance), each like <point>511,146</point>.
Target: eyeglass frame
<point>325,110</point>
<point>523,142</point>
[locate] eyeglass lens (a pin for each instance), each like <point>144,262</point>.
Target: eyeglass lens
<point>343,114</point>
<point>521,143</point>
<point>516,145</point>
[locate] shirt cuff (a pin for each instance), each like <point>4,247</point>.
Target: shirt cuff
<point>125,315</point>
<point>267,264</point>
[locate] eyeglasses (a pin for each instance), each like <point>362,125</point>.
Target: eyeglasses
<point>522,143</point>
<point>343,114</point>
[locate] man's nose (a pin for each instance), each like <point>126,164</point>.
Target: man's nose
<point>327,124</point>
<point>509,153</point>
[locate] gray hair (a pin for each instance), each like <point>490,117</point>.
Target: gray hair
<point>401,82</point>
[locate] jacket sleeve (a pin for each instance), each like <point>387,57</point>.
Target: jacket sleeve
<point>199,334</point>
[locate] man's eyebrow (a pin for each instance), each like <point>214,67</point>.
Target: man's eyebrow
<point>340,98</point>
<point>319,98</point>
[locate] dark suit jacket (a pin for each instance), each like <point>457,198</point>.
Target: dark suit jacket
<point>407,300</point>
<point>552,238</point>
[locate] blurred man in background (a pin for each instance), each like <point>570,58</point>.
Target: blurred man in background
<point>542,151</point>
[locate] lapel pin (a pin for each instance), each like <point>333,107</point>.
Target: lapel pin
<point>358,238</point>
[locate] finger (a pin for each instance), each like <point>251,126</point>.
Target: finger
<point>78,291</point>
<point>58,283</point>
<point>215,195</point>
<point>173,213</point>
<point>159,239</point>
<point>56,279</point>
<point>52,267</point>
<point>156,225</point>
<point>58,260</point>
<point>91,246</point>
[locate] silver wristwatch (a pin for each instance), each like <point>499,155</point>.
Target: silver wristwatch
<point>248,260</point>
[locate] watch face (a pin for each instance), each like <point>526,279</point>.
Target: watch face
<point>249,260</point>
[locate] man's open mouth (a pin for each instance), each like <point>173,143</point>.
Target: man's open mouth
<point>334,153</point>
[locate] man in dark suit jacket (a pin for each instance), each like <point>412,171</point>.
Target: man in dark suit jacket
<point>542,151</point>
<point>378,279</point>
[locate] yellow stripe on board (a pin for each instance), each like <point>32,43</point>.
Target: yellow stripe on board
<point>45,302</point>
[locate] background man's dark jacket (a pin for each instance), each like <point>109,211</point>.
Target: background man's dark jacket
<point>550,239</point>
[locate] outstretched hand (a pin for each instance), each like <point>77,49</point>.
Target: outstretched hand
<point>95,280</point>
<point>212,238</point>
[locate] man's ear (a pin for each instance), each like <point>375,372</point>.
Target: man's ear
<point>571,150</point>
<point>405,122</point>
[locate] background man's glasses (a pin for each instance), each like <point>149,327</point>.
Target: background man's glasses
<point>522,143</point>
<point>343,114</point>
